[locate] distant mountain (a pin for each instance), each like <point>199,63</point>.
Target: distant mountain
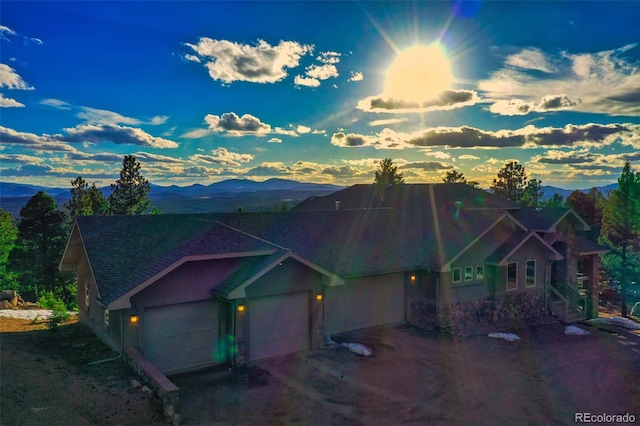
<point>549,191</point>
<point>23,190</point>
<point>228,195</point>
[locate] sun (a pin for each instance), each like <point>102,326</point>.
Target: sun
<point>419,74</point>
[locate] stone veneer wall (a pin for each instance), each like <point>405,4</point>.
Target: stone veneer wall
<point>506,312</point>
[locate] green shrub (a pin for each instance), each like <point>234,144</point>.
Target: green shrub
<point>60,313</point>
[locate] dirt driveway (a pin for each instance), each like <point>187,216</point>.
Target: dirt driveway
<point>424,378</point>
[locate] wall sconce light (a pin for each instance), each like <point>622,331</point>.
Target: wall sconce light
<point>413,278</point>
<point>319,297</point>
<point>133,319</point>
<point>240,308</point>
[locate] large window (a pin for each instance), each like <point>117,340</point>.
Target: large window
<point>531,273</point>
<point>512,276</point>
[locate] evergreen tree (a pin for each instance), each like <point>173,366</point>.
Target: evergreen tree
<point>8,237</point>
<point>454,176</point>
<point>85,200</point>
<point>42,234</point>
<point>532,193</point>
<point>387,173</point>
<point>556,201</point>
<point>621,230</point>
<point>511,182</point>
<point>130,192</point>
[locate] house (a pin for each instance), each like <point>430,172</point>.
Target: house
<point>195,290</point>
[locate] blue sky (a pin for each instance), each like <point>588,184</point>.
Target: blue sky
<point>318,91</point>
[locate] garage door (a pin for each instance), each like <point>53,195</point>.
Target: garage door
<point>182,336</point>
<point>278,325</point>
<point>364,303</point>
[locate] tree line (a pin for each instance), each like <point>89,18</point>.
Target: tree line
<point>614,218</point>
<point>30,251</point>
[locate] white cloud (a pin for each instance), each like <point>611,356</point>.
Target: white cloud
<point>6,30</point>
<point>228,61</point>
<point>192,58</point>
<point>9,102</point>
<point>303,129</point>
<point>387,122</point>
<point>300,80</point>
<point>10,79</point>
<point>159,119</point>
<point>113,133</point>
<point>596,135</point>
<point>275,140</point>
<point>447,100</point>
<point>224,157</point>
<point>232,124</point>
<point>322,72</point>
<point>356,76</point>
<point>57,103</point>
<point>604,82</point>
<point>102,116</point>
<point>468,157</point>
<point>531,59</point>
<point>196,134</point>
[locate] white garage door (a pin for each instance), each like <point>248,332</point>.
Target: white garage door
<point>364,303</point>
<point>182,336</point>
<point>278,325</point>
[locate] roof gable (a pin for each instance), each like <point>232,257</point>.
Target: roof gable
<point>546,219</point>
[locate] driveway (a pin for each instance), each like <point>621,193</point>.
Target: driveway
<point>418,377</point>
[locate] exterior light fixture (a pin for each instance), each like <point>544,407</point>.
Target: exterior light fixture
<point>133,319</point>
<point>240,308</point>
<point>413,278</point>
<point>319,297</point>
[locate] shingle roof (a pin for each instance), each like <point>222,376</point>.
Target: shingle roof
<point>126,251</point>
<point>406,196</point>
<point>584,246</point>
<point>543,218</point>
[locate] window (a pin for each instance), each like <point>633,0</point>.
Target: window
<point>86,295</point>
<point>512,276</point>
<point>531,273</point>
<point>468,273</point>
<point>106,317</point>
<point>479,272</point>
<point>457,275</point>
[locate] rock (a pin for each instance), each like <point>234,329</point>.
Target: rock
<point>135,384</point>
<point>10,296</point>
<point>5,304</point>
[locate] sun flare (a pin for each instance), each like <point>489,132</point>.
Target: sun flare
<point>419,74</point>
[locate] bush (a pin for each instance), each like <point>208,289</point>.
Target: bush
<point>60,313</point>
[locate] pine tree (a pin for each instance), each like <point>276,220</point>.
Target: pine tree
<point>42,234</point>
<point>621,230</point>
<point>511,182</point>
<point>130,192</point>
<point>387,173</point>
<point>454,176</point>
<point>85,200</point>
<point>8,237</point>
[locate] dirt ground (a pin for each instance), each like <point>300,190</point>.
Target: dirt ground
<point>414,377</point>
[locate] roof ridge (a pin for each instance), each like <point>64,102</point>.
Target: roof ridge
<point>251,235</point>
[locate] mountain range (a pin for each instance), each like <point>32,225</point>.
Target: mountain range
<point>225,196</point>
